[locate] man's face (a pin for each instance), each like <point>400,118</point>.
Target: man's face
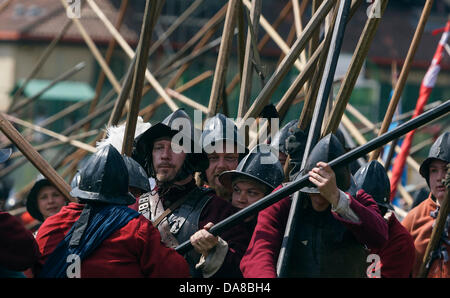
<point>246,193</point>
<point>50,201</point>
<point>166,162</point>
<point>219,163</point>
<point>438,169</point>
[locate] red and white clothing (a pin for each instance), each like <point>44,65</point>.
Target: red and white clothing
<point>133,251</point>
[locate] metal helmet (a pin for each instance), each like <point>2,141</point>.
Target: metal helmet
<point>75,180</point>
<point>326,150</point>
<point>439,150</point>
<point>279,140</point>
<point>137,175</point>
<point>353,189</point>
<point>5,154</point>
<point>261,164</point>
<point>220,128</point>
<point>177,123</point>
<point>373,179</point>
<point>31,204</point>
<point>104,179</point>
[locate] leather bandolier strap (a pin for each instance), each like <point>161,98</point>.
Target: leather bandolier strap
<point>179,221</point>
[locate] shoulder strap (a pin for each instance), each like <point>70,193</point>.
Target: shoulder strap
<point>169,210</point>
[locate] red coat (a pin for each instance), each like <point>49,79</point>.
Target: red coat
<point>135,250</point>
<point>215,211</point>
<point>261,256</point>
<point>397,255</point>
<point>18,249</point>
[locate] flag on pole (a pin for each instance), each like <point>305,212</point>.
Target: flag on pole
<point>427,86</point>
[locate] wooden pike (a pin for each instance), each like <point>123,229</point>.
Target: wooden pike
<point>148,112</point>
<point>265,94</point>
<point>340,19</point>
<point>50,133</point>
<point>150,108</point>
<point>298,12</point>
<point>213,22</point>
<point>411,162</point>
<point>189,58</point>
<point>308,108</point>
<point>240,27</point>
<point>123,96</point>
<point>129,51</point>
<point>27,133</point>
<point>404,74</point>
<point>41,61</point>
<point>108,56</point>
<point>400,117</point>
<point>98,56</point>
<point>266,38</point>
<point>437,229</point>
<point>292,92</point>
<point>150,18</point>
<point>34,157</point>
<point>39,148</point>
<point>184,99</point>
<point>222,59</point>
<point>299,82</point>
<point>360,139</point>
<point>58,142</point>
<point>279,41</point>
<point>62,77</point>
<point>183,17</point>
<point>354,70</point>
<point>247,72</point>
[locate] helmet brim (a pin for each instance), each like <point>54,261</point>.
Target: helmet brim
<point>226,178</point>
<point>126,199</point>
<point>5,154</point>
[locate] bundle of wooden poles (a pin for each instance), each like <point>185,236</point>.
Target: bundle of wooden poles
<point>314,57</point>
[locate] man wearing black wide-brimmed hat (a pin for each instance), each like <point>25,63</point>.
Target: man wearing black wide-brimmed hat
<point>171,152</point>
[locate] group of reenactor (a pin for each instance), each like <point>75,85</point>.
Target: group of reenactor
<point>131,213</point>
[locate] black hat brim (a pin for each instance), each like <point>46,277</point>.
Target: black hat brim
<point>145,141</point>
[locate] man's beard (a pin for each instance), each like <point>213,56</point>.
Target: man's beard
<point>223,193</point>
<point>221,190</point>
<point>166,174</point>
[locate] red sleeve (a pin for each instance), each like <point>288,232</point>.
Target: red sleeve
<point>372,229</point>
<point>237,236</point>
<point>18,249</point>
<point>157,260</point>
<point>397,256</point>
<point>260,259</point>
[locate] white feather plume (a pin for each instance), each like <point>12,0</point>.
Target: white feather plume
<point>115,134</point>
